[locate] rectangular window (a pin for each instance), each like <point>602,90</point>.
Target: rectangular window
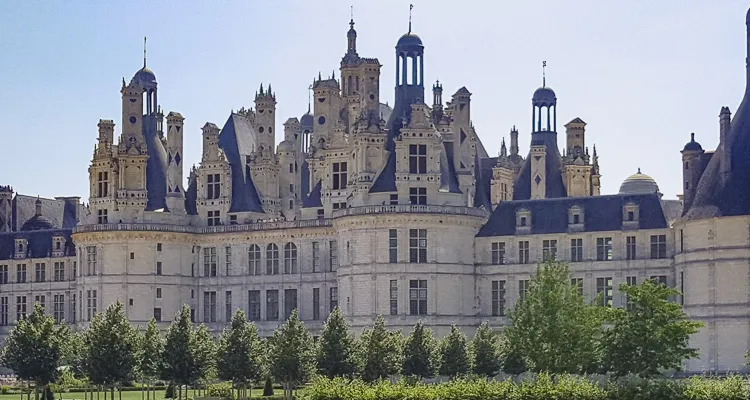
<point>418,246</point>
<point>578,282</point>
<point>418,297</point>
<point>228,260</point>
<point>75,269</point>
<point>40,272</point>
<point>503,191</point>
<point>498,298</point>
<point>394,297</point>
<point>213,186</point>
<point>158,268</point>
<point>228,305</point>
<point>394,199</point>
<point>576,250</point>
<point>630,248</point>
<point>630,281</point>
<point>417,158</point>
<point>209,306</point>
<point>157,314</point>
<point>604,290</point>
<point>102,216</point>
<point>253,260</point>
<point>73,306</point>
<point>91,260</point>
<point>3,274</point>
<point>333,298</point>
<point>20,307</point>
<point>91,304</point>
<point>59,271</point>
<point>523,252</point>
<point>392,246</point>
<point>418,196</point>
<point>102,184</point>
<point>316,256</point>
<point>523,287</point>
<point>658,246</point>
<point>316,304</point>
<point>339,176</point>
<point>272,259</point>
<point>333,247</point>
<point>659,279</point>
<point>58,308</point>
<point>21,273</point>
<point>158,247</point>
<point>209,261</point>
<point>4,311</point>
<point>158,293</point>
<point>290,258</point>
<point>549,249</point>
<point>253,305</point>
<point>604,249</point>
<point>272,305</point>
<point>214,218</point>
<point>498,253</point>
<point>290,302</point>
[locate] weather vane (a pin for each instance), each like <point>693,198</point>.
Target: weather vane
<point>144,52</point>
<point>411,6</point>
<point>544,74</point>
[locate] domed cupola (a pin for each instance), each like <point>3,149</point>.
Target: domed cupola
<point>692,145</point>
<point>639,183</point>
<point>409,40</point>
<point>145,78</point>
<point>38,221</point>
<point>544,97</point>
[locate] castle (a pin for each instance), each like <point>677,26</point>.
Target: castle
<point>398,211</point>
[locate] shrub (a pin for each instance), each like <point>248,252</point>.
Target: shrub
<point>268,387</point>
<point>4,389</point>
<point>223,390</point>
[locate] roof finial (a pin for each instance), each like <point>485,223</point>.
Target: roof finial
<point>692,137</point>
<point>144,52</point>
<point>639,170</point>
<point>544,74</point>
<point>309,97</point>
<point>411,6</point>
<point>351,22</point>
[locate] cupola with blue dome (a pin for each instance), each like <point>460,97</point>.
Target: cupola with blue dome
<point>692,145</point>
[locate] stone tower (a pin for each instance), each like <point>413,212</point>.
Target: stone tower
<point>6,208</point>
<point>175,191</point>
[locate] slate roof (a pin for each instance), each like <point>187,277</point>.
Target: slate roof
<point>156,166</point>
<point>483,180</point>
<point>310,196</point>
<point>600,213</point>
<point>448,177</point>
<point>237,140</point>
<point>60,213</point>
<point>553,171</point>
<point>39,243</point>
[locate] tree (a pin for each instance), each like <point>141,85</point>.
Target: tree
<point>240,355</point>
<point>204,353</point>
<point>380,351</point>
<point>335,352</point>
<point>553,328</point>
<point>110,343</point>
<point>651,335</point>
<point>454,359</point>
<point>485,351</point>
<point>292,357</point>
<point>34,348</point>
<point>149,354</point>
<point>179,365</point>
<point>420,353</point>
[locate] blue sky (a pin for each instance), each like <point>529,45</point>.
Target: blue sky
<point>642,74</point>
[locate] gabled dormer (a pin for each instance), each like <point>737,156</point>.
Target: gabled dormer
<point>21,248</point>
<point>523,221</point>
<point>576,222</point>
<point>58,246</point>
<point>630,216</point>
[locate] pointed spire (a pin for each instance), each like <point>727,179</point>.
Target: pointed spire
<point>411,7</point>
<point>38,205</point>
<point>320,78</point>
<point>144,52</point>
<point>270,92</point>
<point>309,98</point>
<point>261,89</point>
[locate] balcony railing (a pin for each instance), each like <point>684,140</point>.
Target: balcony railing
<point>153,227</point>
<point>411,209</point>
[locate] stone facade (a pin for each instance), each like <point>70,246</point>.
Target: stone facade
<point>385,210</point>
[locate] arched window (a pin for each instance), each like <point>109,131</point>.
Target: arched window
<point>290,258</point>
<point>272,259</point>
<point>253,257</point>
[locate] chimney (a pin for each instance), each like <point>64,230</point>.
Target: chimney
<point>725,125</point>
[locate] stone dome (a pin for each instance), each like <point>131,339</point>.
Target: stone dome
<point>145,77</point>
<point>286,146</point>
<point>38,221</point>
<point>544,96</point>
<point>639,183</point>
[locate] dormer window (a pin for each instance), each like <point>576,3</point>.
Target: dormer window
<point>575,218</point>
<point>21,248</point>
<point>58,246</point>
<point>523,221</point>
<point>213,186</point>
<point>630,215</point>
<point>417,158</point>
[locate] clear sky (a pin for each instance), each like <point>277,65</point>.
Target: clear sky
<point>643,74</point>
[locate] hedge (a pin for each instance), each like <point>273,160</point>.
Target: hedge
<point>543,387</point>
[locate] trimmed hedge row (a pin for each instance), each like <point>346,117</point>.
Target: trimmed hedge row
<point>543,387</point>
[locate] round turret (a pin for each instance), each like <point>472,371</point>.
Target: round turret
<point>639,183</point>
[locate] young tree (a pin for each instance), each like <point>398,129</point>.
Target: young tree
<point>292,357</point>
<point>149,355</point>
<point>454,359</point>
<point>180,366</point>
<point>380,351</point>
<point>420,353</point>
<point>204,351</point>
<point>110,345</point>
<point>485,351</point>
<point>335,352</point>
<point>240,355</point>
<point>34,348</point>
<point>651,335</point>
<point>553,329</point>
